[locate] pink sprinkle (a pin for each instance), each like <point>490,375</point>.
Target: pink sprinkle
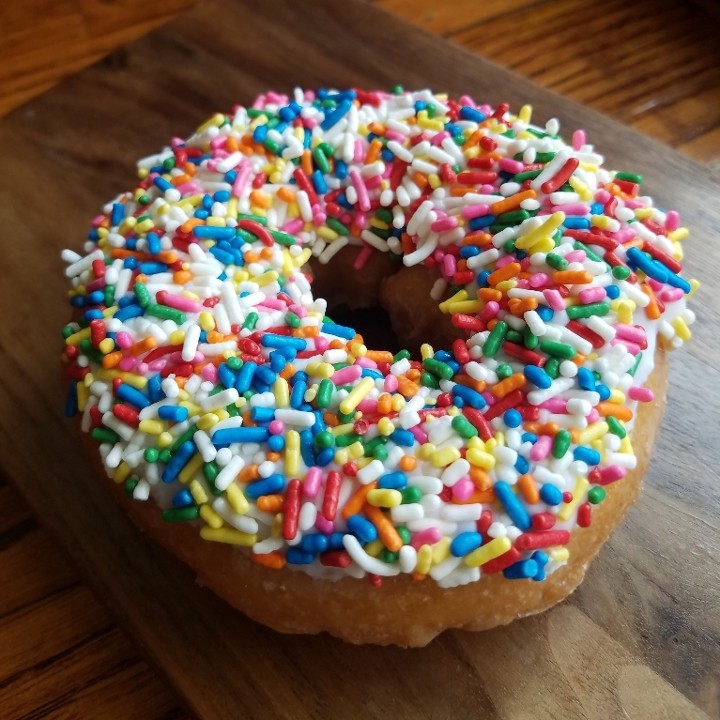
<point>624,234</point>
<point>541,448</point>
<point>463,488</point>
<point>467,100</point>
<point>292,227</point>
<point>367,406</point>
<point>391,383</point>
<point>321,343</point>
<point>259,102</point>
<point>611,473</point>
<point>272,303</point>
<point>487,189</point>
<point>346,375</point>
<point>449,265</point>
<point>602,196</point>
<point>670,295</point>
<point>672,221</point>
<point>127,363</point>
<point>323,524</point>
<point>419,434</point>
<point>578,139</point>
<point>473,211</point>
<point>439,137</point>
<point>573,209</point>
<point>276,426</point>
<point>363,199</point>
<point>274,98</point>
<point>447,223</point>
<point>363,256</point>
<point>209,372</point>
<point>360,220</point>
<point>539,280</point>
<point>179,302</point>
<point>654,284</point>
<point>158,364</point>
<point>188,188</point>
<point>641,394</point>
<point>312,482</point>
<point>591,295</point>
<point>244,171</point>
<point>634,204</point>
<point>554,299</point>
<point>359,154</point>
<point>512,166</point>
<point>123,339</point>
<point>366,362</point>
<point>634,333</point>
<point>372,182</point>
<point>632,347</point>
<point>490,311</point>
<point>395,135</point>
<point>576,256</point>
<point>555,405</point>
<point>425,537</point>
<point>594,416</point>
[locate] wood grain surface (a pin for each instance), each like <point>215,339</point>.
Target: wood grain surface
<point>641,637</point>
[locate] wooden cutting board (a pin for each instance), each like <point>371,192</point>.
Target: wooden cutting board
<point>640,639</point>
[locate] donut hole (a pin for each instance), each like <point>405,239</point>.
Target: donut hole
<point>373,323</point>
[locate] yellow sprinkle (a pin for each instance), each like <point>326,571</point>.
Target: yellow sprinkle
<point>342,456</point>
<point>424,560</point>
<point>566,509</point>
<point>508,284</point>
<point>491,444</point>
<point>545,245</point>
<point>384,497</point>
<point>559,554</point>
<point>547,228</point>
<point>218,119</point>
<point>398,402</point>
<point>127,224</point>
<point>326,233</point>
<point>465,306</point>
<point>266,278</point>
<point>229,536</point>
<point>443,458</point>
<point>276,527</point>
<point>617,396</point>
<point>602,221</point>
<point>374,548</point>
<point>694,287</point>
<point>198,492</point>
<point>176,337</point>
<point>356,450</point>
<point>222,413</point>
<point>434,180</point>
<point>207,321</point>
<point>680,234</point>
<point>580,188</point>
<point>343,429</point>
<point>593,432</point>
<point>624,311</point>
<point>232,207</point>
<point>82,396</point>
<point>589,167</point>
<point>525,114</point>
<point>441,550</point>
<point>144,226</point>
<point>357,394</point>
<point>681,328</point>
<point>106,346</point>
<point>78,336</point>
<point>480,459</point>
<point>236,498</point>
<point>165,439</point>
<point>303,257</point>
<point>320,369</point>
<point>211,517</point>
<point>452,411</point>
<point>358,349</point>
<point>207,421</point>
<point>426,451</point>
<point>380,224</point>
<point>292,452</point>
<point>426,351</point>
<point>281,391</point>
<point>485,553</point>
<point>151,427</point>
<point>122,472</point>
<point>457,297</point>
<point>385,426</point>
<point>189,471</point>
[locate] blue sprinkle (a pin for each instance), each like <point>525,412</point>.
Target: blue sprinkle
<point>270,485</point>
<point>393,480</point>
<point>369,372</point>
<point>260,133</point>
<point>276,443</point>
<point>174,413</point>
<point>262,414</point>
<point>221,196</point>
<point>325,457</point>
<point>521,570</point>
<point>603,391</point>
<point>537,376</point>
<point>245,376</point>
<point>522,465</point>
<point>95,297</point>
<point>214,233</point>
<point>468,251</point>
<point>470,113</point>
<point>152,268</point>
<point>297,396</point>
<point>612,291</point>
<point>550,494</point>
<point>341,169</point>
<point>132,395</point>
<point>265,375</point>
<point>183,498</point>
<point>178,461</point>
<point>277,361</point>
<point>95,314</point>
<point>154,389</point>
<point>588,455</point>
<point>207,202</point>
<point>201,214</point>
<point>226,436</point>
<point>483,221</point>
<point>296,556</point>
<point>129,311</point>
<point>118,214</point>
<point>529,437</point>
<point>162,184</point>
<point>465,543</point>
<point>403,438</point>
<point>278,341</point>
<point>306,447</point>
<point>226,376</point>
<point>223,256</point>
<point>335,541</point>
<point>597,209</point>
<point>315,543</point>
<point>471,397</point>
<point>336,115</point>
<point>586,379</point>
<point>318,181</point>
<point>362,528</point>
<point>513,507</point>
<point>347,333</point>
<point>154,244</point>
<point>482,278</point>
<point>576,223</point>
<point>678,282</point>
<point>512,418</point>
<point>545,312</point>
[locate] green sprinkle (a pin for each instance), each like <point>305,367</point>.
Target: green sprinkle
<point>463,427</point>
<point>346,440</point>
<point>529,340</point>
<point>514,217</point>
<point>402,355</point>
<point>255,218</point>
<point>372,445</point>
<point>634,368</point>
<point>324,439</point>
<point>397,90</point>
<point>184,514</point>
<point>591,255</point>
<point>166,313</point>
<point>104,435</point>
<point>181,439</point>
<point>620,272</point>
<point>130,485</point>
<point>324,393</point>
<point>388,556</point>
<point>561,444</point>
<point>384,214</point>
<point>508,245</point>
<point>165,456</point>
<point>503,370</point>
<point>411,494</point>
<point>557,349</point>
<point>439,368</point>
<point>555,261</point>
<point>495,339</point>
<point>151,455</point>
<point>381,453</point>
<point>292,320</point>
<point>596,495</point>
<point>142,294</point>
<point>234,363</point>
<point>630,177</point>
<point>327,149</point>
<point>584,311</point>
<point>615,426</point>
<point>68,330</point>
<point>144,199</point>
<point>273,146</point>
<point>429,380</point>
<point>321,161</point>
<point>250,321</point>
<point>527,175</point>
<point>337,226</point>
<point>282,238</point>
<point>552,368</point>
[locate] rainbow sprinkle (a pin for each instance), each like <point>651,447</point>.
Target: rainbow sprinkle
<point>214,382</point>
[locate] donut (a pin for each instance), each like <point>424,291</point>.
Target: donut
<point>316,481</point>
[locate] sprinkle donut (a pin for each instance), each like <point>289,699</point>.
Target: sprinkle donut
<point>319,483</point>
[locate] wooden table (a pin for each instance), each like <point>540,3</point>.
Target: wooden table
<point>641,636</point>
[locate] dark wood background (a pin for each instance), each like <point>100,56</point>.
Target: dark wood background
<point>640,637</point>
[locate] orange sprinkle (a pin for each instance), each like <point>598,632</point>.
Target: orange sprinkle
<point>460,190</point>
<point>504,273</point>
<point>379,356</point>
<point>519,306</point>
<point>418,576</point>
<point>287,372</point>
<point>407,387</point>
<point>286,194</point>
<point>309,331</point>
<point>337,345</point>
<point>528,488</point>
<point>270,503</point>
<point>384,404</point>
<point>420,179</point>
<point>272,560</point>
<point>462,379</point>
<point>248,473</point>
<point>478,496</point>
<point>356,501</point>
<point>509,203</point>
<point>273,456</point>
<point>188,225</point>
<point>231,143</point>
<point>181,277</point>
<point>251,256</point>
<point>306,162</point>
<point>373,151</point>
<point>571,277</point>
<point>376,128</point>
<point>651,310</point>
<point>407,244</point>
<point>142,346</point>
<point>413,374</point>
<point>480,478</point>
<point>479,238</point>
<point>617,411</point>
<point>331,419</point>
<point>386,530</point>
<point>112,359</point>
<point>489,294</point>
<point>506,386</point>
<point>180,179</point>
<point>266,253</point>
<point>260,199</point>
<point>474,139</point>
<point>407,463</point>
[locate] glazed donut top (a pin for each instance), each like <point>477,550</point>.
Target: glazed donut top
<point>212,379</point>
